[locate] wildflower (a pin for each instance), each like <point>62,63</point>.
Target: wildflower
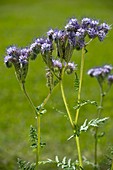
<point>94,23</point>
<point>60,38</point>
<point>71,66</point>
<point>13,51</point>
<point>50,33</point>
<point>72,25</point>
<point>85,22</point>
<point>103,30</point>
<point>72,38</point>
<point>35,47</point>
<point>20,59</point>
<point>100,72</point>
<point>57,64</point>
<point>46,52</point>
<point>80,33</point>
<point>92,32</point>
<point>105,27</point>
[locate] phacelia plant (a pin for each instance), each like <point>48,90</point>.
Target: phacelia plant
<point>56,50</point>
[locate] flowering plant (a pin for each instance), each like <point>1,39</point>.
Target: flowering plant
<point>56,50</point>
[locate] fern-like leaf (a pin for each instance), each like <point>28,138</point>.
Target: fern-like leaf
<point>76,82</point>
<point>83,103</point>
<point>34,138</point>
<point>67,164</point>
<point>93,123</point>
<point>24,165</point>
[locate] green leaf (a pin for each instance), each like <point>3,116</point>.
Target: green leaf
<point>67,164</point>
<point>24,165</point>
<point>34,138</point>
<point>85,102</point>
<point>46,162</point>
<point>93,123</point>
<point>76,82</point>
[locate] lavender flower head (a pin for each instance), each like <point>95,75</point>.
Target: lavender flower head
<point>85,27</point>
<point>46,47</point>
<point>20,59</point>
<point>57,64</point>
<point>72,25</point>
<point>100,72</point>
<point>85,22</point>
<point>35,47</point>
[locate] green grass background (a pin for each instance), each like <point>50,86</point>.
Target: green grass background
<point>20,23</point>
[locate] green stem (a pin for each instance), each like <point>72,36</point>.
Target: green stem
<point>96,129</point>
<point>78,100</point>
<point>71,121</point>
<point>112,165</point>
<point>79,151</point>
<point>38,130</point>
<point>38,143</point>
<point>38,120</point>
<point>80,84</point>
<point>28,98</point>
<point>65,103</point>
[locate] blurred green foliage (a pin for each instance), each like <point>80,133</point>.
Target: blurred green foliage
<point>22,21</point>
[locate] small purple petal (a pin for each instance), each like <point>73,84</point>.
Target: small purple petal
<point>110,79</point>
<point>57,63</point>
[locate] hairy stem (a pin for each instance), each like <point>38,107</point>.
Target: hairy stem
<point>80,84</point>
<point>78,100</point>
<point>39,129</point>
<point>38,120</point>
<point>79,151</point>
<point>71,121</point>
<point>28,98</point>
<point>38,143</point>
<point>65,103</point>
<point>96,128</point>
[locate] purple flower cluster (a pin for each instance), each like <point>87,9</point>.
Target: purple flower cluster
<point>63,42</point>
<point>69,67</point>
<point>77,31</point>
<point>41,45</point>
<point>20,59</point>
<point>101,73</point>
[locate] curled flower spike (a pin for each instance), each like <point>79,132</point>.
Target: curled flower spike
<point>72,25</point>
<point>100,72</point>
<point>35,47</point>
<point>20,59</point>
<point>77,31</point>
<point>85,22</point>
<point>71,67</point>
<point>50,33</point>
<point>46,52</point>
<point>56,64</point>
